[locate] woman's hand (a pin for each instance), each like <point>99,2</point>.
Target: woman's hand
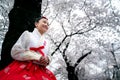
<point>44,61</point>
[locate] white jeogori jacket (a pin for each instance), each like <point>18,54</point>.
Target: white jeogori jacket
<point>21,49</point>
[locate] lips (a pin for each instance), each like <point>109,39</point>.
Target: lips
<point>46,27</point>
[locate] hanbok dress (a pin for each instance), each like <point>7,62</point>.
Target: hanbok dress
<point>27,51</point>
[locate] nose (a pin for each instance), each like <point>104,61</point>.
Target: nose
<point>46,25</point>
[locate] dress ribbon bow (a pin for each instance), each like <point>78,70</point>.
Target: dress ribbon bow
<point>38,49</point>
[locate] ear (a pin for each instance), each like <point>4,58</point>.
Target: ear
<point>36,24</point>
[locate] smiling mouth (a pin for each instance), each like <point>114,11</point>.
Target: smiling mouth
<point>45,27</point>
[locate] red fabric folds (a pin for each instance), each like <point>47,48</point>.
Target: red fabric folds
<point>24,70</point>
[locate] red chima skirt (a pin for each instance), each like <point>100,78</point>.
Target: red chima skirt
<point>21,70</point>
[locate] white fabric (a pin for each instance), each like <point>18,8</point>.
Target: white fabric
<point>20,51</point>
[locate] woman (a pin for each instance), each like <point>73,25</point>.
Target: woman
<point>31,56</point>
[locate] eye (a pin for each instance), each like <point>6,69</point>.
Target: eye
<point>45,22</point>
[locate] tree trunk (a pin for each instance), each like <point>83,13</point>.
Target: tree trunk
<point>71,73</point>
<point>71,69</point>
<point>21,18</point>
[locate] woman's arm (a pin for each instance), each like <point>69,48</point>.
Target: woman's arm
<point>20,52</point>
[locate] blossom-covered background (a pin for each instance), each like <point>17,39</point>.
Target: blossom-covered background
<point>84,37</point>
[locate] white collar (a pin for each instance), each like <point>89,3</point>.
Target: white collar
<point>36,33</point>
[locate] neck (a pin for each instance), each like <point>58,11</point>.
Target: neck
<point>41,32</point>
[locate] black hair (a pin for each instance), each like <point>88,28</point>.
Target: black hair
<point>38,18</point>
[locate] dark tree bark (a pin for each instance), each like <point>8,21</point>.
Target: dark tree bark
<point>71,69</point>
<point>21,18</point>
<point>71,72</point>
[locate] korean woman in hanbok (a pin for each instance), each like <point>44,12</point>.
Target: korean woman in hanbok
<point>30,54</point>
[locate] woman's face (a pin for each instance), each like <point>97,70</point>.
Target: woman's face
<point>42,25</point>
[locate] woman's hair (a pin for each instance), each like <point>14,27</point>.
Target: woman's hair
<point>38,18</point>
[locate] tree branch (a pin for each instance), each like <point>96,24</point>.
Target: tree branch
<point>82,57</point>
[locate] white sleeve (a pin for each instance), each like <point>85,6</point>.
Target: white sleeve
<point>20,49</point>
